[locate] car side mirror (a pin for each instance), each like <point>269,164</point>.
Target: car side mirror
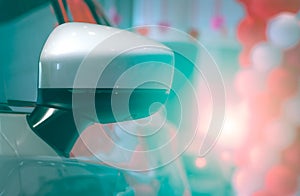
<point>91,73</point>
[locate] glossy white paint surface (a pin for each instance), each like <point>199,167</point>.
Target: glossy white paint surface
<point>17,139</point>
<point>79,54</point>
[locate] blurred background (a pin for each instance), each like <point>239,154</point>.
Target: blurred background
<point>256,45</point>
<point>21,37</point>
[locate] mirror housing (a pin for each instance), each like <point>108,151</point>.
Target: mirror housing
<point>92,73</point>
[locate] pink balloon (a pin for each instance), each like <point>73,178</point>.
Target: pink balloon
<point>265,108</point>
<point>247,181</point>
<point>292,110</point>
<point>279,134</point>
<point>217,22</point>
<point>244,57</point>
<point>263,193</point>
<point>282,83</point>
<point>281,180</point>
<point>249,83</point>
<point>292,59</point>
<point>240,157</point>
<point>291,156</point>
<point>261,158</point>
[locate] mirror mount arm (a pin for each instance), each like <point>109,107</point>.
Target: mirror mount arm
<point>56,127</point>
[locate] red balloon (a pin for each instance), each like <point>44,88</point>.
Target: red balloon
<point>251,31</point>
<point>291,156</point>
<point>266,9</point>
<point>281,180</point>
<point>247,6</point>
<point>282,83</point>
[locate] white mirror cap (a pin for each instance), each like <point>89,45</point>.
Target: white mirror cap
<point>82,55</point>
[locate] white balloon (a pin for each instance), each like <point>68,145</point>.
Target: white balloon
<point>265,56</point>
<point>284,30</point>
<point>249,82</point>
